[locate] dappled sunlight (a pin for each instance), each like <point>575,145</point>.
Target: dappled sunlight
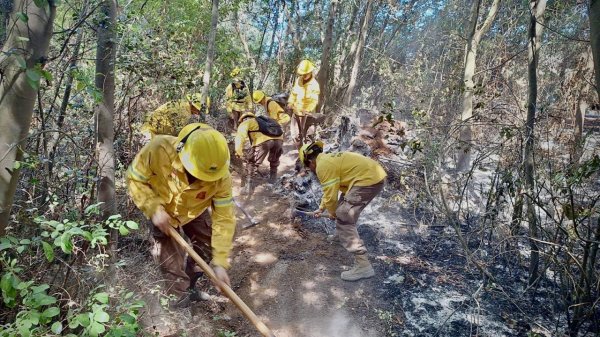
<point>265,258</point>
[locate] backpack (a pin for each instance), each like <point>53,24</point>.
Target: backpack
<point>268,126</point>
<point>281,99</point>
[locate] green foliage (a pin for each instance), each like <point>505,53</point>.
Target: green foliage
<point>226,333</point>
<point>37,310</point>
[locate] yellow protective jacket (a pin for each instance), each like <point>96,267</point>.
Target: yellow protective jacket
<point>304,97</point>
<point>156,177</point>
<point>339,172</point>
<point>275,111</point>
<point>238,99</point>
<point>168,119</point>
<point>249,129</point>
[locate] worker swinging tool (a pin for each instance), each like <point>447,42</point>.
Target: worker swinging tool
<point>237,97</point>
<point>175,181</point>
<point>359,179</point>
<point>171,117</point>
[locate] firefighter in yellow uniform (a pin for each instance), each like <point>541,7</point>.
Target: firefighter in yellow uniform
<point>359,179</point>
<point>303,101</point>
<point>262,146</point>
<point>273,109</point>
<point>171,117</point>
<point>237,97</point>
<point>175,181</point>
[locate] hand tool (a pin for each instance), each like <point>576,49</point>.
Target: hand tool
<point>260,326</point>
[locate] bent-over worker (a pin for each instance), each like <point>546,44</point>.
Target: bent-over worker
<point>359,179</point>
<point>171,117</point>
<point>273,109</point>
<point>263,146</point>
<point>184,181</point>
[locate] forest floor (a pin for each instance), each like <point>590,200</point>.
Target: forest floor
<point>288,273</point>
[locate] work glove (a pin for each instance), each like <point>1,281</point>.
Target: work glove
<point>162,220</point>
<point>221,275</point>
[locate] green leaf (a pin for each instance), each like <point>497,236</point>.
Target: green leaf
<point>96,329</point>
<point>5,244</point>
<point>123,230</point>
<point>65,243</point>
<point>101,316</point>
<point>50,312</point>
<point>132,224</point>
<point>41,3</point>
<point>56,328</point>
<point>33,84</point>
<point>47,75</point>
<point>22,16</point>
<point>33,74</point>
<point>21,62</point>
<point>101,298</point>
<point>48,251</point>
<point>127,318</point>
<point>114,217</point>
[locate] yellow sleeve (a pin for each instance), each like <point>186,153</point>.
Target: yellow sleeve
<point>138,177</point>
<point>241,138</point>
<point>330,183</point>
<point>312,96</point>
<point>223,223</point>
<point>249,106</point>
<point>277,113</point>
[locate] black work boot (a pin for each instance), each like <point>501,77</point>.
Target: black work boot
<point>187,299</point>
<point>273,176</point>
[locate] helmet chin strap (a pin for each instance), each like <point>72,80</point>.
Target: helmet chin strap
<point>184,139</point>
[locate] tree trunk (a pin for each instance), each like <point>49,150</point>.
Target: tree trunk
<point>6,7</point>
<point>594,15</point>
<point>537,8</point>
<point>473,39</point>
<point>323,75</point>
<point>68,87</point>
<point>358,54</point>
<point>17,94</point>
<point>210,52</point>
<point>105,82</point>
<point>250,59</point>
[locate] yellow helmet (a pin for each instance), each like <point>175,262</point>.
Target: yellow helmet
<point>305,67</point>
<point>195,100</point>
<point>258,95</point>
<point>308,149</point>
<point>235,72</point>
<point>244,115</point>
<point>203,152</point>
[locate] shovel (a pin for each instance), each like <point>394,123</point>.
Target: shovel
<point>260,326</point>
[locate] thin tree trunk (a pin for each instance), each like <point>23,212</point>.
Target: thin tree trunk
<point>250,59</point>
<point>17,96</point>
<point>210,52</point>
<point>537,8</point>
<point>323,75</point>
<point>68,87</point>
<point>6,7</point>
<point>594,15</point>
<point>105,83</point>
<point>280,55</point>
<point>358,54</point>
<point>474,37</point>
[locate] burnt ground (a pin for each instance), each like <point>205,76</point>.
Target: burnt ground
<point>288,273</point>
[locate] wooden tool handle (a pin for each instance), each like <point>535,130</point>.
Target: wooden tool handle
<point>260,326</point>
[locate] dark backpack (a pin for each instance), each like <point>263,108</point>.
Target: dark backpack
<point>268,126</point>
<point>281,99</point>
